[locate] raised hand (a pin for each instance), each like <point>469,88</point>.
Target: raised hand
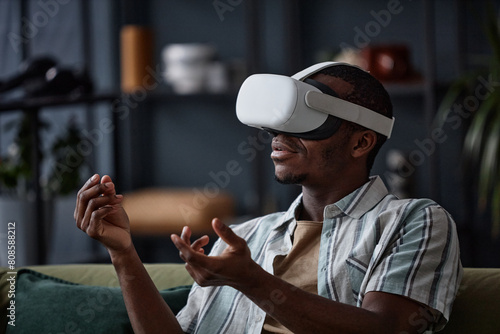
<point>99,213</point>
<point>233,267</point>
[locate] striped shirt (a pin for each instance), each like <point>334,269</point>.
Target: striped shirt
<point>370,241</point>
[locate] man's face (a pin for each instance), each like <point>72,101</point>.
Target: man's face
<point>301,161</point>
<point>308,162</point>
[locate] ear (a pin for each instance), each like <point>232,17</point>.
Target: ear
<point>364,141</point>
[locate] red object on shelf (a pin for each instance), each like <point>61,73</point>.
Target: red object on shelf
<point>389,62</point>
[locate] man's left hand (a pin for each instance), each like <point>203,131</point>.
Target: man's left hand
<point>233,267</point>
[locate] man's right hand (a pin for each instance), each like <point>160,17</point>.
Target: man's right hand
<point>99,213</point>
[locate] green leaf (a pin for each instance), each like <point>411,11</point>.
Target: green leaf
<point>474,139</point>
<point>459,87</point>
<point>493,34</point>
<point>489,171</point>
<point>495,207</point>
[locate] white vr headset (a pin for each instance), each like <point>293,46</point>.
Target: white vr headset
<point>301,107</point>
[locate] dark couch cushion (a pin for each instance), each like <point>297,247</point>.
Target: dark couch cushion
<point>45,304</point>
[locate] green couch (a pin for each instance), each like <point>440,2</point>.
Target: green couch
<point>94,302</point>
<point>78,299</point>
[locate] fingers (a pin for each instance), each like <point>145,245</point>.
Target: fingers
<point>186,235</point>
<point>190,253</point>
<point>200,243</point>
<point>226,268</point>
<point>94,195</point>
<point>225,233</point>
<point>186,253</point>
<point>188,250</point>
<point>85,196</point>
<point>106,178</point>
<point>90,182</point>
<point>97,204</point>
<point>93,225</point>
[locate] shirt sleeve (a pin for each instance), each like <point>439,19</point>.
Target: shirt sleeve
<point>188,316</point>
<point>422,263</point>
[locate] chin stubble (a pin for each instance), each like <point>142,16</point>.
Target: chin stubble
<point>290,179</point>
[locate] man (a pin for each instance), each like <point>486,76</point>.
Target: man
<point>347,257</point>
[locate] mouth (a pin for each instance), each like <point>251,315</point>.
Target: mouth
<point>282,149</point>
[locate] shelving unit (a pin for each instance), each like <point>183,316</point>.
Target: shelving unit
<point>289,31</point>
<point>164,98</point>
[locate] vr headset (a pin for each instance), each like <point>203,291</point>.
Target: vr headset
<point>302,107</point>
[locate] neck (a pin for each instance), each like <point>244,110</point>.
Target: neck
<point>315,199</point>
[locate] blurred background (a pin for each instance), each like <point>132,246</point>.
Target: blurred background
<point>144,91</point>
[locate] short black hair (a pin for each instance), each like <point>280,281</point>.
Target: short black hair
<point>367,92</point>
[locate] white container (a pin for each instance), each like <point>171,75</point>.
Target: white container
<point>187,66</point>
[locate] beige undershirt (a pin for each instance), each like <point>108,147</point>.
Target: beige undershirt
<point>299,267</point>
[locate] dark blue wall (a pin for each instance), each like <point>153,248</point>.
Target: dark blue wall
<point>182,142</point>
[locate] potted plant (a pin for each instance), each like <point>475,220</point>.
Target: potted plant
<point>481,144</point>
<point>17,196</point>
<point>16,167</point>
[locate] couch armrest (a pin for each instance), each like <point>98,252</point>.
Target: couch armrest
<point>476,308</point>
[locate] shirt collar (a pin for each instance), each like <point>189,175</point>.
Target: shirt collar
<point>355,205</point>
<point>360,201</point>
<point>290,214</point>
